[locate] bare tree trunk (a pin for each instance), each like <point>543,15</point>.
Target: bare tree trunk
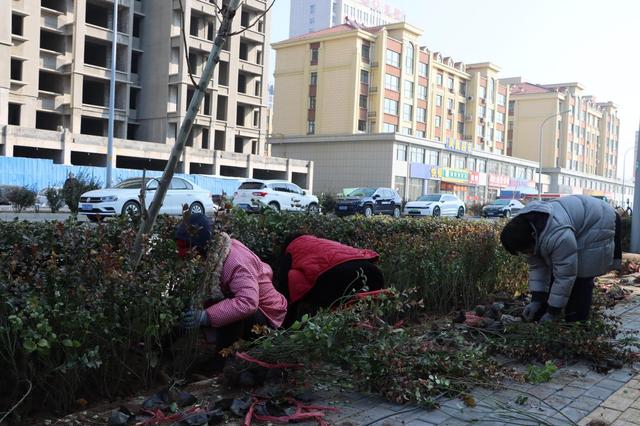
<point>146,223</point>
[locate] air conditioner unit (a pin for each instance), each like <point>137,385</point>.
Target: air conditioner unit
<point>450,111</point>
<point>371,114</point>
<point>482,119</point>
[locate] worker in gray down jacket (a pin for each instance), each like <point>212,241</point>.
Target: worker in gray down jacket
<point>568,242</point>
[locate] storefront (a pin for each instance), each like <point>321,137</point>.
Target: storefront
<point>452,180</point>
<point>496,183</point>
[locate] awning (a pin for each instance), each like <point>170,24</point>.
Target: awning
<point>524,190</point>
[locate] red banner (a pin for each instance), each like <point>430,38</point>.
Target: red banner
<point>474,178</point>
<point>498,181</point>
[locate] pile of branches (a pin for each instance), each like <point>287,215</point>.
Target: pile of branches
<point>387,346</point>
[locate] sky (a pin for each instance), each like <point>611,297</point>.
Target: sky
<point>593,42</point>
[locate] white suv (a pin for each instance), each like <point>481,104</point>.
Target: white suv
<point>277,194</point>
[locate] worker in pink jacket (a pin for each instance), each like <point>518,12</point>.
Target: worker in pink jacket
<point>240,288</point>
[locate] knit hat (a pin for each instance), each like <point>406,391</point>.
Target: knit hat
<point>517,236</point>
<point>194,231</point>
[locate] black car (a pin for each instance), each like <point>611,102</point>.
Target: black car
<point>370,201</point>
<point>502,208</point>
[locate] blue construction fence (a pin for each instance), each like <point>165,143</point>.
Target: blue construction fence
<point>38,174</point>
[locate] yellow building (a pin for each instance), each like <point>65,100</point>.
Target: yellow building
<point>582,138</point>
<point>348,79</point>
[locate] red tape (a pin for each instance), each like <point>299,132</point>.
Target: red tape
<point>246,357</point>
<point>303,412</point>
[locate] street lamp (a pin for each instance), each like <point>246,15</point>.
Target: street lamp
<point>624,163</point>
<point>540,150</point>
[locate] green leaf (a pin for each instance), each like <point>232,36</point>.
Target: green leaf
<point>67,343</point>
<point>29,345</point>
<point>43,343</point>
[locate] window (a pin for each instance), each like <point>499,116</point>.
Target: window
<point>439,100</point>
<point>421,115</point>
<point>461,107</point>
<point>420,134</point>
<point>500,117</point>
<point>401,152</point>
<point>389,128</point>
<point>501,99</point>
<point>406,131</point>
<point>390,106</point>
<point>439,79</point>
<point>491,89</point>
<point>312,9</point>
<point>438,121</point>
<point>483,92</point>
<point>460,128</point>
<point>362,126</point>
<point>422,69</point>
<point>363,101</point>
<point>422,92</point>
<point>407,112</point>
<point>416,154</point>
<point>490,115</point>
<point>14,114</point>
<point>499,135</point>
<point>16,69</point>
<point>313,79</point>
<point>408,89</point>
<point>463,88</point>
<point>391,82</point>
<point>512,107</point>
<point>17,24</point>
<point>364,76</point>
<point>312,102</point>
<point>311,127</point>
<point>366,50</point>
<point>450,104</point>
<point>392,58</point>
<point>408,58</point>
<point>482,111</point>
<point>450,84</point>
<point>314,56</point>
<point>449,124</point>
<point>431,157</point>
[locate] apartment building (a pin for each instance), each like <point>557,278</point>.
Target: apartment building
<point>308,16</point>
<point>379,80</point>
<point>578,145</point>
<point>58,76</point>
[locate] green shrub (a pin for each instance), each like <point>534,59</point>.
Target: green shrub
<point>55,199</point>
<point>452,263</point>
<point>21,198</point>
<point>75,320</point>
<point>74,187</point>
<point>4,190</point>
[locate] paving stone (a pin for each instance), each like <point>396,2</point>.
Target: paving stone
<point>541,391</point>
<point>622,375</point>
<point>586,382</point>
<point>611,384</point>
<point>454,422</point>
<point>558,402</point>
<point>631,416</point>
<point>603,414</point>
<point>572,413</point>
<point>618,403</point>
<point>395,407</point>
<point>418,422</point>
<point>598,392</point>
<point>435,416</point>
<point>570,392</point>
<point>585,403</point>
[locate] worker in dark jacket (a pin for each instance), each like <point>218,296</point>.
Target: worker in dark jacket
<point>568,242</point>
<point>315,273</point>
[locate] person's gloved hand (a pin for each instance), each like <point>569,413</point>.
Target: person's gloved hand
<point>548,316</point>
<point>194,318</point>
<point>531,310</point>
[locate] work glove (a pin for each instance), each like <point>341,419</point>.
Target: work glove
<point>549,317</point>
<point>194,318</point>
<point>531,310</point>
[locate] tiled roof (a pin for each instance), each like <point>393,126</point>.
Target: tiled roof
<point>527,89</point>
<point>328,31</point>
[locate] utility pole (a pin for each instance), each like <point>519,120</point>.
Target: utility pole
<point>635,217</point>
<point>112,94</point>
<point>148,220</point>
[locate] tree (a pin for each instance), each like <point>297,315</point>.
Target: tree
<point>148,217</point>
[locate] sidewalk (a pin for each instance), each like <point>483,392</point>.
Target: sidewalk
<point>575,395</point>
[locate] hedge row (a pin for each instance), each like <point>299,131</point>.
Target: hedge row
<point>77,322</point>
<point>452,263</point>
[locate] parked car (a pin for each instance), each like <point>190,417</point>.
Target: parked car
<point>123,198</point>
<point>435,205</point>
<point>502,208</point>
<point>277,194</point>
<point>370,201</point>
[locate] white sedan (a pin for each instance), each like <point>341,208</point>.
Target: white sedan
<point>123,199</point>
<point>435,205</point>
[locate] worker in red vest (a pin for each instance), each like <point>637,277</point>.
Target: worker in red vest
<point>316,273</point>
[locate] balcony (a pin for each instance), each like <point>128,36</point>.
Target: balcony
<point>250,67</point>
<point>50,101</point>
<point>52,61</point>
<point>253,35</point>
